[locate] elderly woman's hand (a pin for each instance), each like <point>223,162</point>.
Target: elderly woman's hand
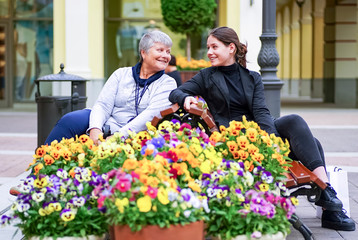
<point>94,134</point>
<point>188,101</point>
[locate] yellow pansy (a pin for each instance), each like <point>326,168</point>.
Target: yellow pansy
<point>40,183</point>
<point>121,203</point>
<point>42,212</point>
<point>294,201</point>
<point>56,206</point>
<point>150,127</point>
<point>264,187</point>
<point>144,203</point>
<point>68,216</point>
<point>251,134</point>
<point>154,208</point>
<point>205,167</point>
<point>163,196</point>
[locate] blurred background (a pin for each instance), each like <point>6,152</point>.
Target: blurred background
<point>316,42</point>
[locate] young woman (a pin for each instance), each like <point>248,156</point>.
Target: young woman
<point>232,91</point>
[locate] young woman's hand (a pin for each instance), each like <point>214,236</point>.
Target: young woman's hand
<point>188,101</point>
<point>94,135</point>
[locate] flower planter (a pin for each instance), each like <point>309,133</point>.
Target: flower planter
<point>90,237</point>
<point>187,75</point>
<point>192,231</point>
<point>277,236</point>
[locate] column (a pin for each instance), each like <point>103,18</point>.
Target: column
<point>268,58</point>
<point>306,50</point>
<point>317,51</point>
<point>295,63</point>
<point>77,38</point>
<point>71,42</point>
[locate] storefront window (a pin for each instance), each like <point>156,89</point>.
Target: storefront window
<point>123,39</point>
<point>33,45</point>
<point>33,8</point>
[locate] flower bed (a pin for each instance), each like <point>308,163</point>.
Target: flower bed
<point>167,176</point>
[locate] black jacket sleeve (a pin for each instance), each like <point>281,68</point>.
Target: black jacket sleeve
<point>260,110</point>
<point>193,87</point>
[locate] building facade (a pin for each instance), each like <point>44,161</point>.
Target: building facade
<point>316,43</point>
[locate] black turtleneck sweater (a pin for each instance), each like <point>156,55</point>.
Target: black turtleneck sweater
<point>238,104</point>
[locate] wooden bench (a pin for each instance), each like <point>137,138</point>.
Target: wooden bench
<point>194,117</point>
<point>299,180</point>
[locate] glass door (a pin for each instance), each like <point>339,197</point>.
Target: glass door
<point>4,66</point>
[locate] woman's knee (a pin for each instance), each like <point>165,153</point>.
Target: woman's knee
<point>290,125</point>
<point>293,119</point>
<point>74,117</point>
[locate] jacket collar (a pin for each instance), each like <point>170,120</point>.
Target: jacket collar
<point>218,78</point>
<point>247,84</point>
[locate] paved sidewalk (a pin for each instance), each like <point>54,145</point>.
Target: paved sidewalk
<point>336,128</point>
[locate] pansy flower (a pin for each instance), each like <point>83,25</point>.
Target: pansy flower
<point>67,215</point>
<point>78,201</point>
<point>123,184</point>
<point>144,204</point>
<point>152,192</point>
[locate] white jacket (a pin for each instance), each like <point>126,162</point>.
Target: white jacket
<point>115,105</point>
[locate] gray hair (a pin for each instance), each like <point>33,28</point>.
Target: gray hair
<point>150,38</point>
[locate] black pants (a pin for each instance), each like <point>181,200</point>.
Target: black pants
<point>304,146</point>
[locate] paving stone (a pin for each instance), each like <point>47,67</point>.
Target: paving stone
<point>28,144</point>
<point>349,235</point>
<point>14,165</point>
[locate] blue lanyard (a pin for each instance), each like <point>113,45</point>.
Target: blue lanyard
<point>138,97</point>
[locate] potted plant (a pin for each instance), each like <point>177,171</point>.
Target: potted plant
<point>152,182</point>
<point>144,203</point>
<point>188,69</point>
<point>58,206</point>
<point>246,194</point>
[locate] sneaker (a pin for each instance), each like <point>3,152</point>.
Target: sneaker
<point>337,221</point>
<point>14,191</point>
<point>328,200</point>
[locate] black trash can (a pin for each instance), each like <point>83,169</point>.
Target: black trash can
<point>51,108</point>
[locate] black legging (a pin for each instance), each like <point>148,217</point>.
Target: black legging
<point>304,146</point>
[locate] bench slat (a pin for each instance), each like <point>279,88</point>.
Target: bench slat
<point>289,181</point>
<point>302,175</point>
<point>299,174</point>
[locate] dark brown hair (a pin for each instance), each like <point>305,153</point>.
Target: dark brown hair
<point>228,35</point>
<point>173,61</point>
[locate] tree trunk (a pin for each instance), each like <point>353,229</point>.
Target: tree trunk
<point>188,47</point>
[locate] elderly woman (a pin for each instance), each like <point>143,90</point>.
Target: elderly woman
<point>131,97</point>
